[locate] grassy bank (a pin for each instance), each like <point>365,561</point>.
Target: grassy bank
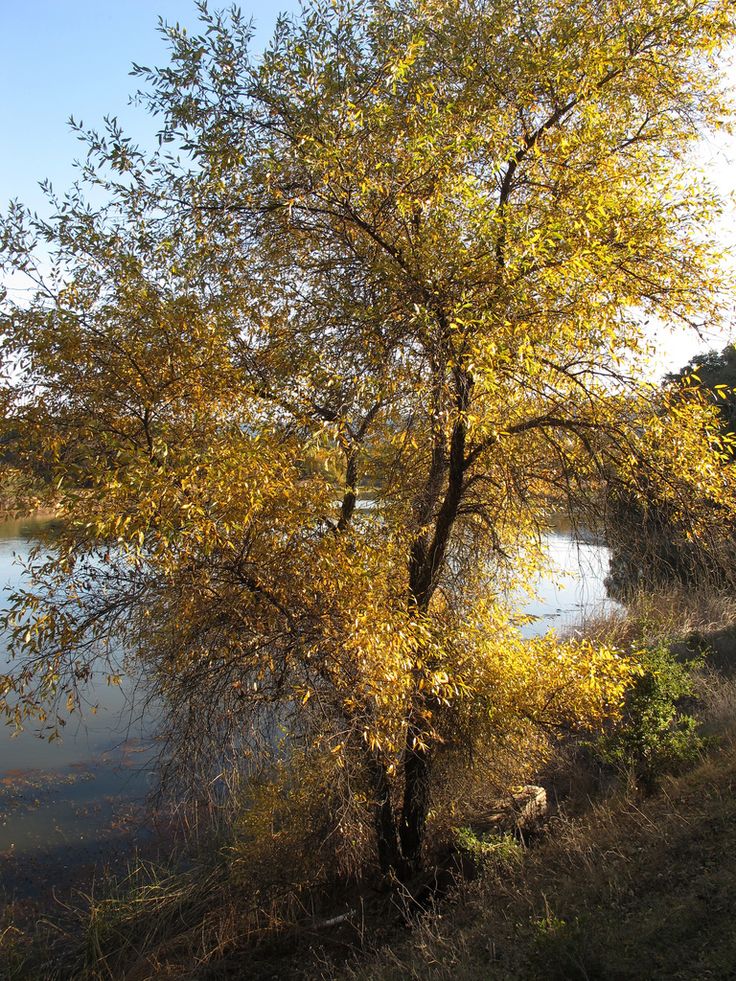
<point>632,877</point>
<point>632,890</point>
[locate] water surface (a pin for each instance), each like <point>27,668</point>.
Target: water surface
<point>574,590</point>
<point>66,802</point>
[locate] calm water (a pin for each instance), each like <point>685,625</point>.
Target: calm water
<point>576,592</point>
<point>80,799</point>
<point>66,803</point>
<point>115,720</point>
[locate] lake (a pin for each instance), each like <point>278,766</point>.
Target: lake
<point>577,591</point>
<point>68,805</point>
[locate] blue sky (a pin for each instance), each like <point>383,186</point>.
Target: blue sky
<point>72,57</point>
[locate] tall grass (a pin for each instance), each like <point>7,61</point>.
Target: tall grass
<point>674,614</point>
<point>588,902</point>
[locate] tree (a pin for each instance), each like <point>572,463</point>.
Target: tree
<point>715,372</point>
<point>653,540</point>
<point>405,260</point>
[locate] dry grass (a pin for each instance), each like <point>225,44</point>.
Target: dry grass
<point>716,694</point>
<point>624,889</point>
<point>632,891</point>
<point>162,925</point>
<point>674,614</point>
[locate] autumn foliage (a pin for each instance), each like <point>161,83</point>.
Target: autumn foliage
<point>317,372</point>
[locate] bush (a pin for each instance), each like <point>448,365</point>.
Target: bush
<point>656,734</point>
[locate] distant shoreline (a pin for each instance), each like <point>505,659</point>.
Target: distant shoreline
<point>36,514</point>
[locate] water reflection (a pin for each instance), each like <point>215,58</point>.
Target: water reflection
<point>575,590</point>
<point>74,791</point>
<point>115,720</point>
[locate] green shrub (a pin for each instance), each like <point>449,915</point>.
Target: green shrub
<point>656,734</point>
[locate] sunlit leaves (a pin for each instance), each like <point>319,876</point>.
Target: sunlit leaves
<point>313,388</point>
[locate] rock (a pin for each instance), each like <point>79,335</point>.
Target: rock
<point>523,812</point>
<point>530,807</point>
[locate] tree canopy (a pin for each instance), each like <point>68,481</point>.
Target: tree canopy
<point>317,372</point>
<point>714,371</point>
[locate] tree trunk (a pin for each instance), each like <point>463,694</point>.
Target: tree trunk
<point>426,562</point>
<point>415,805</point>
<point>389,854</point>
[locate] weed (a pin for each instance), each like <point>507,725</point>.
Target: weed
<point>487,848</point>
